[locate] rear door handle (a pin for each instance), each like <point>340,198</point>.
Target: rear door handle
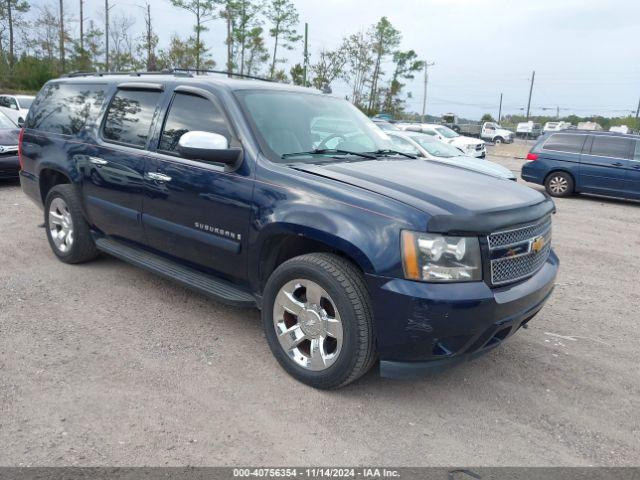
<point>98,161</point>
<point>637,167</point>
<point>160,177</point>
<point>617,164</point>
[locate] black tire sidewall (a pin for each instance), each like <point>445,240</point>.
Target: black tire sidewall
<point>341,369</point>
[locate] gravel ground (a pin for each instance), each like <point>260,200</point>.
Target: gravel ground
<point>105,364</point>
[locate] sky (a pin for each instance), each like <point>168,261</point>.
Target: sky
<point>585,52</point>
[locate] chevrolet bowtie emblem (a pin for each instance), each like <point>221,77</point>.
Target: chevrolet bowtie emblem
<point>538,244</point>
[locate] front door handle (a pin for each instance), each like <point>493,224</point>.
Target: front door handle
<point>98,161</point>
<point>637,167</point>
<point>159,177</point>
<point>617,164</point>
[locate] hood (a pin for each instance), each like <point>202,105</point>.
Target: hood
<point>482,166</point>
<point>9,137</point>
<point>464,141</point>
<point>439,190</point>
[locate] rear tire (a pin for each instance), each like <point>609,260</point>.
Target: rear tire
<point>67,230</point>
<point>559,184</point>
<point>318,321</point>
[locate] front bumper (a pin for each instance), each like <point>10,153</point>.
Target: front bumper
<point>422,327</point>
<point>478,153</point>
<point>9,166</point>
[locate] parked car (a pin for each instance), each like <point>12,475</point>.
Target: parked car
<point>571,162</point>
<point>9,133</point>
<point>492,132</point>
<point>470,146</point>
<point>353,251</point>
<point>422,145</point>
<point>590,126</point>
<point>489,131</point>
<point>620,129</point>
<point>555,126</point>
<point>19,103</point>
<point>14,115</point>
<point>529,130</point>
<point>384,125</point>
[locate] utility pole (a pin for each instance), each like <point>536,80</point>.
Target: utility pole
<point>106,35</point>
<point>150,61</point>
<point>500,110</point>
<point>62,60</point>
<point>306,53</point>
<point>81,26</point>
<point>533,77</point>
<point>426,82</point>
<point>637,115</point>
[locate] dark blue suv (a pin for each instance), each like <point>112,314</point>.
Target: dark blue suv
<point>573,161</point>
<point>292,201</point>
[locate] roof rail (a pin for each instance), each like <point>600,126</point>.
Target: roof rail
<point>221,72</point>
<point>132,74</point>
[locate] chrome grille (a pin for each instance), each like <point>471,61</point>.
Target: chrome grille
<point>512,254</point>
<point>512,237</point>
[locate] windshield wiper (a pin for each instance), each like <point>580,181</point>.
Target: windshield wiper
<point>393,152</point>
<point>329,151</point>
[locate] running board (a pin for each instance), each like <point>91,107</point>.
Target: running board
<point>220,290</point>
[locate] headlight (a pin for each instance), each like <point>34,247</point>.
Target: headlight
<point>429,257</point>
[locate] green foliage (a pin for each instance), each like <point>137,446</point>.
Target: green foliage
<point>182,54</point>
<point>487,118</point>
<point>283,17</point>
<point>204,11</point>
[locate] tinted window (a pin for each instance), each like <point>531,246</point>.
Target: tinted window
<point>4,102</point>
<point>65,108</point>
<point>611,147</point>
<point>189,113</point>
<point>129,116</point>
<point>565,143</point>
<point>637,155</point>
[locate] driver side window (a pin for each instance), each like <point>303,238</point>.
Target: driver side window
<point>189,113</point>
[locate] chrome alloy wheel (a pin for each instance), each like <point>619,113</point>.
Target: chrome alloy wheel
<point>308,324</point>
<point>61,225</point>
<point>558,185</point>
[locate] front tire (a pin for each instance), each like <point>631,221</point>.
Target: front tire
<point>67,230</point>
<point>318,322</point>
<point>559,184</point>
<point>498,140</point>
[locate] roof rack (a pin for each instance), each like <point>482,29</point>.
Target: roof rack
<point>221,72</point>
<point>131,74</point>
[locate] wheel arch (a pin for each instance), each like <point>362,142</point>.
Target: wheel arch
<point>49,178</point>
<point>283,242</point>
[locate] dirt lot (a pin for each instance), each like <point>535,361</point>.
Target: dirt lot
<point>104,364</point>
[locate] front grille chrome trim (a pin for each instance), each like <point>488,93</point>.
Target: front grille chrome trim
<point>511,269</point>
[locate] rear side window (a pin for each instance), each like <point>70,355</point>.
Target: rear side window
<point>611,147</point>
<point>565,143</point>
<point>129,117</point>
<point>189,113</point>
<point>65,108</point>
<point>637,154</point>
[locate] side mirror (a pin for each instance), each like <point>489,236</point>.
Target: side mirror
<point>21,122</point>
<point>208,146</point>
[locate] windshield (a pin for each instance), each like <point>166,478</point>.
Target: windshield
<point>446,132</point>
<point>288,123</point>
<point>437,149</point>
<point>5,122</point>
<point>25,102</point>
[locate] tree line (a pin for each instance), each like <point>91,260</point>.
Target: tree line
<point>37,43</point>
